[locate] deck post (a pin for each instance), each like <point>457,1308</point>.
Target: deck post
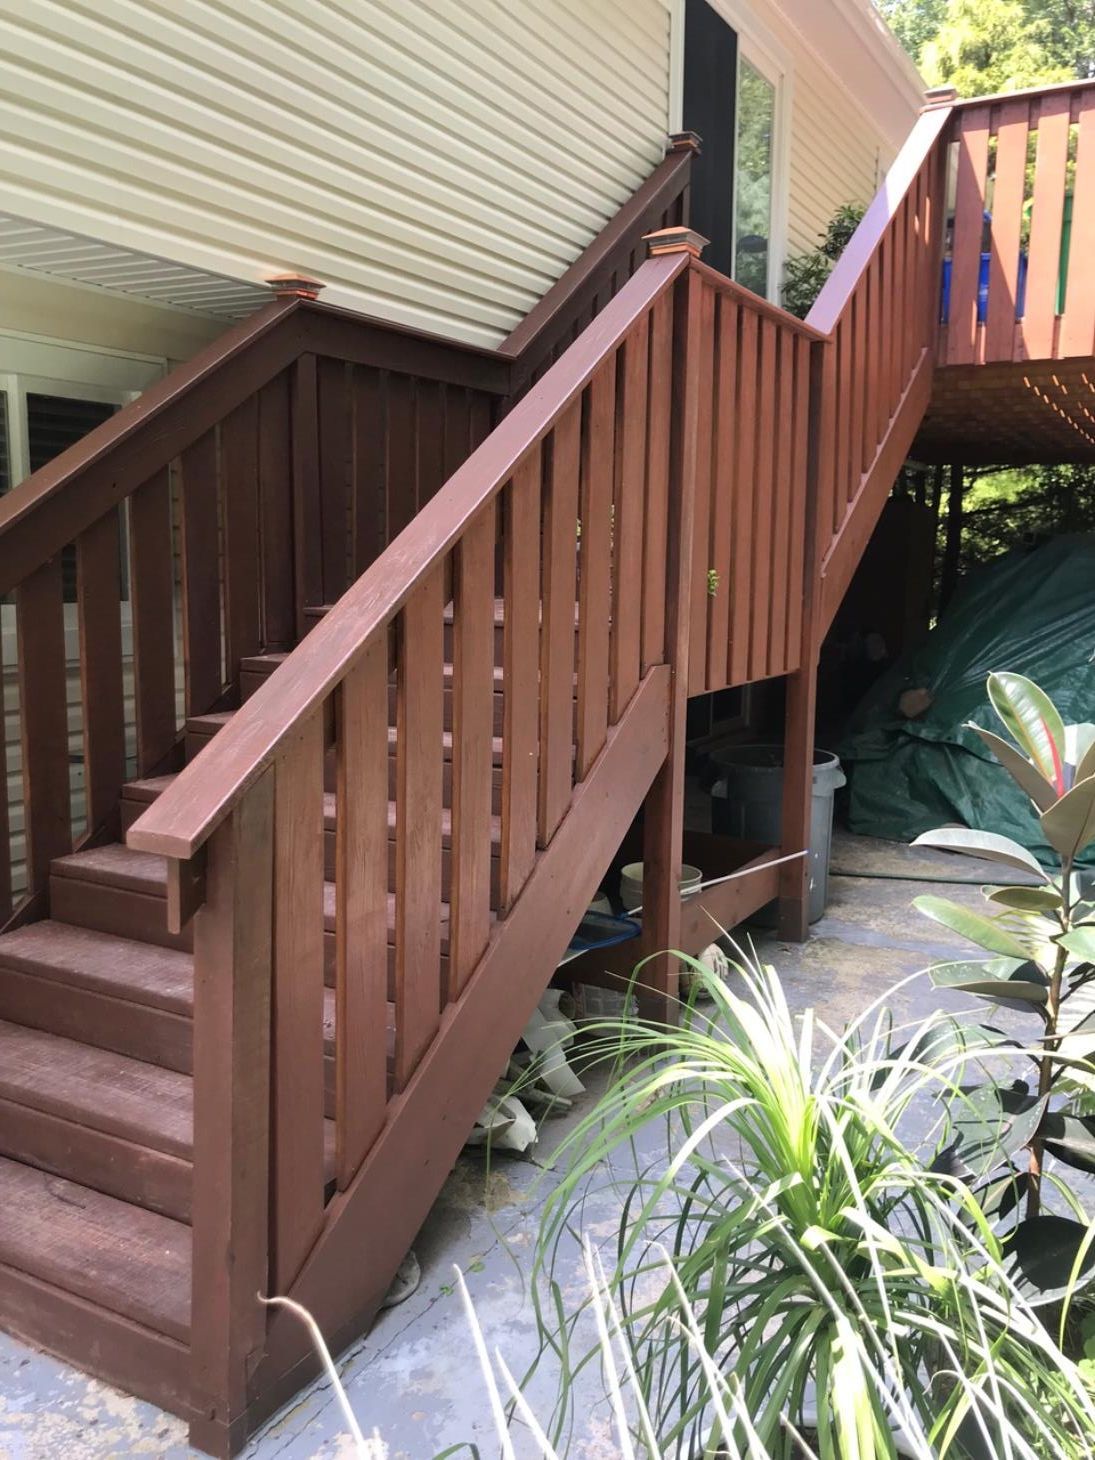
<point>233,962</point>
<point>801,708</point>
<point>663,813</point>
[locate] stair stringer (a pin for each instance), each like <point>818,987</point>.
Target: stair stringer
<point>344,1280</point>
<point>841,559</point>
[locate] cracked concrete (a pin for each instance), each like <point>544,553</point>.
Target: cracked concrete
<point>414,1376</point>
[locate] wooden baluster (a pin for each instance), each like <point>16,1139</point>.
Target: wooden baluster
<point>1078,325</point>
<point>657,481</point>
<point>1047,218</point>
<point>201,575</point>
<point>335,471</point>
<point>762,487</point>
<point>701,547</point>
<point>969,208</point>
<point>482,418</point>
<point>5,821</point>
<point>839,482</point>
<point>520,676</point>
<point>233,958</point>
<point>799,511</point>
<point>898,294</point>
<point>1006,229</point>
<point>370,480</point>
<point>307,524</point>
<point>722,488</point>
<point>402,455</point>
<point>298,1089</point>
<point>557,635</point>
<point>98,598</point>
<point>43,714</point>
<point>860,386</point>
<point>627,525</point>
<point>472,730</point>
<point>457,428</point>
<point>919,296</point>
<point>744,496</point>
<point>419,728</point>
<point>361,902</point>
<point>276,514</point>
<point>242,537</point>
<point>784,524</point>
<point>431,441</point>
<point>151,579</point>
<point>595,575</point>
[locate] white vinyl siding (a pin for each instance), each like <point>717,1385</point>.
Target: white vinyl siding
<point>436,162</point>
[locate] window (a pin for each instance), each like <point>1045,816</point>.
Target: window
<point>753,179</point>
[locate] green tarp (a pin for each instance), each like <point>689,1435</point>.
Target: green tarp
<point>1032,612</point>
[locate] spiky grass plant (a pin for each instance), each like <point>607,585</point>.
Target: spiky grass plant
<point>849,1291</point>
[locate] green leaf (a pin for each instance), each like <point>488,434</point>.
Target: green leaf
<point>1026,899</point>
<point>1018,768</point>
<point>1069,824</point>
<point>984,931</point>
<point>987,844</point>
<point>1041,1254</point>
<point>1005,981</point>
<point>1071,1138</point>
<point>1080,942</point>
<point>989,1125</point>
<point>1080,743</point>
<point>1032,720</point>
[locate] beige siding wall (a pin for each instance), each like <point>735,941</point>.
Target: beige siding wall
<point>437,162</point>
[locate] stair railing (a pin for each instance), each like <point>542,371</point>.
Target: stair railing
<point>563,493</point>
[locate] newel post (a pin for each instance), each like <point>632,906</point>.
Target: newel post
<point>801,707</point>
<point>663,819</point>
<point>232,987</point>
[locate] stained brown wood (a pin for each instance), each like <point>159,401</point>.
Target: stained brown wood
<point>701,549</point>
<point>973,163</point>
<point>98,599</point>
<point>557,621</point>
<point>276,514</point>
<point>1047,217</point>
<point>595,574</point>
<point>1078,325</point>
<point>657,481</point>
<point>200,574</point>
<point>151,575</point>
<point>370,491</point>
<point>741,584</point>
<point>520,667</point>
<point>629,494</point>
<point>1006,230</point>
<point>297,1042</point>
<point>233,974</point>
<point>402,483</point>
<point>307,519</point>
<point>430,437</point>
<point>784,525</point>
<point>239,461</point>
<point>726,426</point>
<point>472,725</point>
<point>764,491</point>
<point>418,826</point>
<point>335,474</point>
<point>361,925</point>
<point>44,720</point>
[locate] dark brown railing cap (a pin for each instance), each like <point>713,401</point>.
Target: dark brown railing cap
<point>294,286</point>
<point>684,142</point>
<point>940,95</point>
<point>675,240</point>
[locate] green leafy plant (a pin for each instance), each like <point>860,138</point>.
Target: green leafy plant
<point>1041,938</point>
<point>851,1294</point>
<point>804,274</point>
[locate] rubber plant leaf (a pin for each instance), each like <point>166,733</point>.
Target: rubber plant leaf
<point>1071,1138</point>
<point>989,1125</point>
<point>1069,824</point>
<point>1018,768</point>
<point>984,931</point>
<point>1081,750</point>
<point>1026,899</point>
<point>1032,720</point>
<point>986,844</point>
<point>1080,942</point>
<point>1041,1254</point>
<point>1003,981</point>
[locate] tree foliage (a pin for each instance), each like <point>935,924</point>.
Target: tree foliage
<point>985,46</point>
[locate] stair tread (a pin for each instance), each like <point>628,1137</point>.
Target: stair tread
<point>141,973</point>
<point>119,1256</point>
<point>117,865</point>
<point>97,1088</point>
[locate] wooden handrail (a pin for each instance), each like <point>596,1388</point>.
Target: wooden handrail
<point>180,821</point>
<point>1054,88</point>
<point>731,289</point>
<point>850,267</point>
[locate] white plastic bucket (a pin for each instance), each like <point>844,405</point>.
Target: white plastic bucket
<point>631,883</point>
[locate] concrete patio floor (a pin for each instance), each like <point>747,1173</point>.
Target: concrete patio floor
<point>414,1376</point>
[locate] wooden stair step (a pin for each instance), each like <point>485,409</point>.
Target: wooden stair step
<point>103,1119</point>
<point>117,1256</point>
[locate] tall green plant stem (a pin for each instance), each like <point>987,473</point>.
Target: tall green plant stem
<point>1045,1064</point>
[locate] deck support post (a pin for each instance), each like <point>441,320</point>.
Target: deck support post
<point>232,991</point>
<point>801,708</point>
<point>663,813</point>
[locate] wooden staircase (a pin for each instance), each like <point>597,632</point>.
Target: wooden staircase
<point>270,935</point>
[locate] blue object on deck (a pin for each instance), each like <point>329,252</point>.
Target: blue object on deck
<point>603,930</point>
<point>983,271</point>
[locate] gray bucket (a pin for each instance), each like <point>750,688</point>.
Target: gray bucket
<point>747,802</point>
